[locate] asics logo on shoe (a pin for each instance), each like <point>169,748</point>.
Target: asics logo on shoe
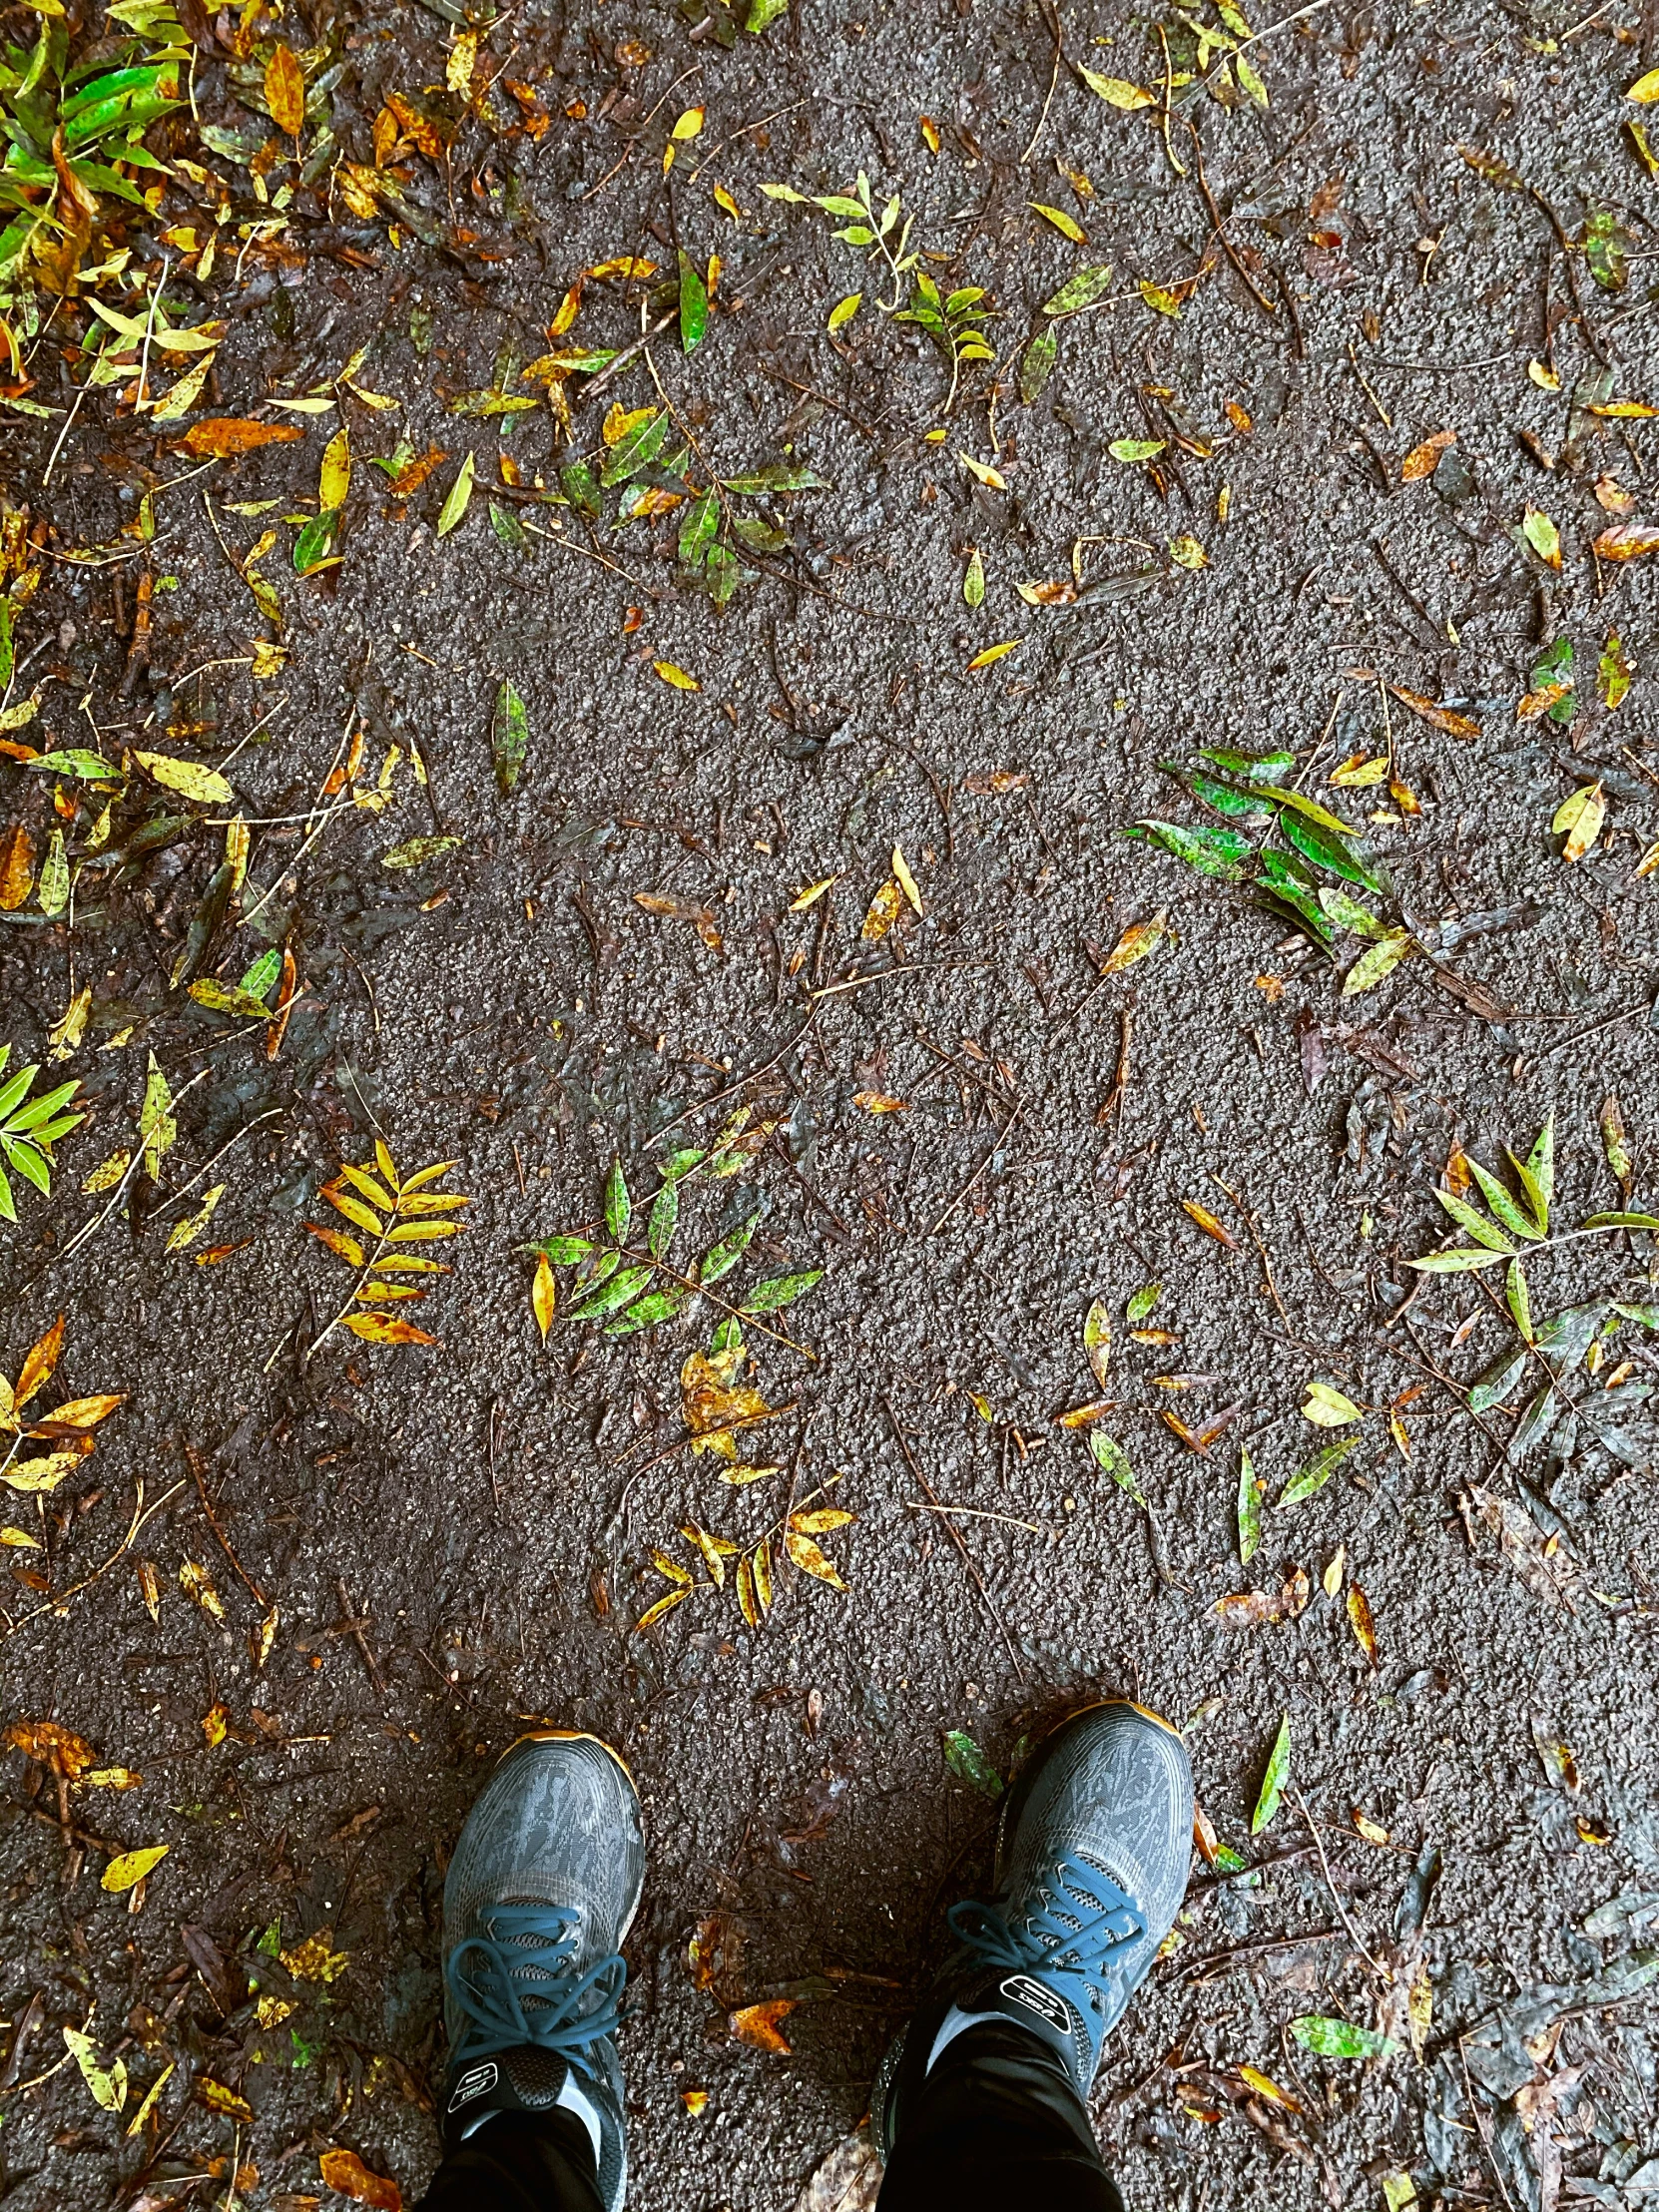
<point>1019,1988</point>
<point>474,2083</point>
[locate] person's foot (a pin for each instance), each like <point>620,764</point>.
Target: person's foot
<point>1092,1854</point>
<point>541,1891</point>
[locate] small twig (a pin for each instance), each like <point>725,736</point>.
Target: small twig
<point>195,1459</point>
<point>766,1067</point>
<point>57,1602</point>
<point>629,352</point>
<point>990,1155</point>
<point>1228,248</point>
<point>954,1532</point>
<point>1343,1912</point>
<point>1051,17</point>
<point>353,1627</point>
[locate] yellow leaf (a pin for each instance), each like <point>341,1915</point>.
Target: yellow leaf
<point>654,1613</point>
<point>284,90</point>
<point>17,1539</point>
<point>354,1209</point>
<point>111,1778</point>
<point>1645,89</point>
<point>316,1960</point>
<point>1581,816</point>
<point>812,894</point>
<point>1185,552</point>
<point>136,2124</point>
<point>844,310</point>
<point>343,1247</point>
<point>203,785</point>
<point>984,471</point>
<point>463,60</point>
<point>1541,534</point>
<point>810,1559</point>
<point>994,653</point>
<point>385,1328</point>
<point>360,1180</point>
<point>336,480</point>
<point>1164,302</point>
<point>689,124</point>
<point>670,674</point>
<point>1328,1408</point>
<point>39,1363</point>
<point>757,2024</point>
<point>727,205</point>
<point>884,909</point>
<point>1066,224</point>
<point>1265,2087</point>
<point>1118,92</point>
<point>218,2097</point>
<point>36,1475</point>
<point>929,131</point>
<point>128,1868</point>
<point>906,880</point>
<point>543,1294</point>
<point>1135,943</point>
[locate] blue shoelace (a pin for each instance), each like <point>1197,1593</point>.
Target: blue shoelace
<point>530,1952</point>
<point>1060,1937</point>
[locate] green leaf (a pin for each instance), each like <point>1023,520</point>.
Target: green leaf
<point>563,1252</point>
<point>314,547</point>
<point>1037,366</point>
<point>76,760</point>
<point>258,979</point>
<point>1377,961</point>
<point>763,13</point>
<point>722,1257</point>
<point>1537,1177</point>
<point>1081,291</point>
<point>679,1164</point>
<point>694,304</point>
<point>1328,851</point>
<point>221,998</point>
<point>1479,1228</point>
<point>1519,1304</point>
<point>459,497</point>
<point>416,851</point>
<point>1646,1316</point>
<point>1329,2039</point>
<point>1251,1491</point>
<point>1459,1261</point>
<point>969,1764</point>
<point>1313,1477</point>
<point>781,1290</point>
<point>778,476</point>
<point>625,1284</point>
<point>1348,913</point>
<point>619,1207</point>
<point>508,528</point>
<point>1222,799</point>
<point>636,450</point>
<point>1211,850</point>
<point>1504,1205</point>
<point>52,891</point>
<point>1273,1781</point>
<point>974,581</point>
<point>509,737</point>
<point>1131,450</point>
<point>1143,1302</point>
<point>1622,1220</point>
<point>1260,767</point>
<point>1115,1461</point>
<point>665,1219</point>
<point>581,488</point>
<point>1494,1383</point>
<point>697,528</point>
<point>660,1306</point>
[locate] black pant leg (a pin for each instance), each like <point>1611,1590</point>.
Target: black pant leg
<point>997,2127</point>
<point>519,2162</point>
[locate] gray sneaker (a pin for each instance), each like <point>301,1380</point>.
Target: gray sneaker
<point>541,1891</point>
<point>1093,1849</point>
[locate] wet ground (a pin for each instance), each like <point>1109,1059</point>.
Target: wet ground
<point>969,1129</point>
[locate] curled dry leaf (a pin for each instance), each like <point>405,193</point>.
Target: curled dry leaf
<point>757,2024</point>
<point>344,2172</point>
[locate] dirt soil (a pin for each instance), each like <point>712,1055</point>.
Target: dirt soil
<point>454,1540</point>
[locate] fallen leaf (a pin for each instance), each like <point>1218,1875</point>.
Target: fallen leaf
<point>223,437</point>
<point>1067,226</point>
<point>1437,718</point>
<point>1581,815</point>
<point>1209,1224</point>
<point>1423,459</point>
<point>284,90</point>
<point>128,1868</point>
<point>1140,938</point>
<point>675,676</point>
<point>345,2173</point>
<point>757,2024</point>
<point>1627,541</point>
<point>1326,1407</point>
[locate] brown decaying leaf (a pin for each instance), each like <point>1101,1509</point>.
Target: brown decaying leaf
<point>1254,1608</point>
<point>1135,943</point>
<point>222,438</point>
<point>52,1745</point>
<point>16,868</point>
<point>284,90</point>
<point>711,1401</point>
<point>1437,718</point>
<point>1542,1563</point>
<point>683,910</point>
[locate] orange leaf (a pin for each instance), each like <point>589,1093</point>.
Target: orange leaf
<point>345,2172</point>
<point>1209,1224</point>
<point>1423,459</point>
<point>1626,540</point>
<point>16,868</point>
<point>52,1744</point>
<point>343,1247</point>
<point>38,1367</point>
<point>385,1328</point>
<point>757,2024</point>
<point>222,438</point>
<point>284,90</point>
<point>1441,718</point>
